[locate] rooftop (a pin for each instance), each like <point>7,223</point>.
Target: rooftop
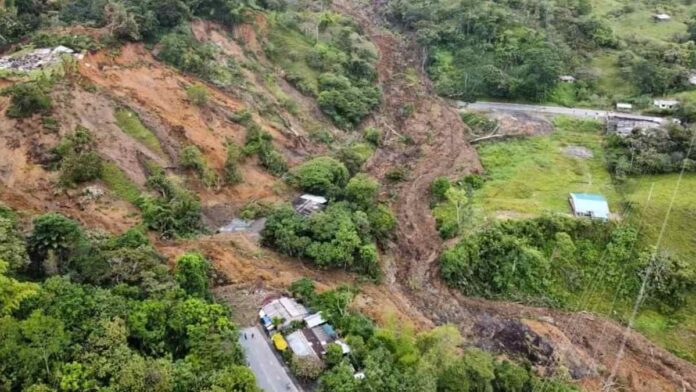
<point>589,204</point>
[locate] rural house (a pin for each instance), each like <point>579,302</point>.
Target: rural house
<point>589,205</point>
<point>661,17</point>
<point>307,204</point>
<point>624,107</point>
<point>665,103</point>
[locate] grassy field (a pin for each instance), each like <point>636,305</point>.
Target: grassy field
<point>527,177</point>
<point>535,175</point>
<point>130,123</point>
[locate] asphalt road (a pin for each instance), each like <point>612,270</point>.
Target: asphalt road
<point>551,110</point>
<point>271,375</point>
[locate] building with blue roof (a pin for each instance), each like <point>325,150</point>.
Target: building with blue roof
<point>590,205</point>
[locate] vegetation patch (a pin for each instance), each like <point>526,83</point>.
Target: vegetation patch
<point>130,123</point>
<point>27,99</point>
<point>572,263</point>
<point>119,183</point>
<point>533,175</point>
<point>105,312</point>
<point>331,61</point>
<point>174,212</point>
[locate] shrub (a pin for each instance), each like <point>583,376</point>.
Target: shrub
<point>439,188</point>
<point>191,272</point>
<point>27,99</point>
<point>12,247</point>
<point>307,367</point>
<point>232,175</point>
<point>191,158</point>
<point>175,213</point>
<point>258,142</point>
<point>78,162</point>
<point>345,103</point>
<point>354,156</point>
<point>197,94</point>
<point>322,175</point>
<point>397,174</point>
<point>362,190</point>
<point>79,168</point>
<point>373,136</point>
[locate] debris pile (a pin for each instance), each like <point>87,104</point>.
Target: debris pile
<point>35,59</point>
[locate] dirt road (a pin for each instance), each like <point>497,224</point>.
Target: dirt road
<point>583,343</point>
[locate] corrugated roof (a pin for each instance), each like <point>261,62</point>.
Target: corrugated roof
<point>590,204</point>
<point>314,320</point>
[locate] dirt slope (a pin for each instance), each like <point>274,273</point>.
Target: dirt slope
<point>583,343</point>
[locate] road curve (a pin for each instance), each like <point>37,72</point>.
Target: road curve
<point>557,110</point>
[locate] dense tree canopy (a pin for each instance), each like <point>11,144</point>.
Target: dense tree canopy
<point>115,320</point>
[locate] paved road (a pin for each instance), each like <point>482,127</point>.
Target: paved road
<point>271,375</point>
<point>539,109</point>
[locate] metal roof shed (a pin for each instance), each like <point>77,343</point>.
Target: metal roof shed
<point>589,204</point>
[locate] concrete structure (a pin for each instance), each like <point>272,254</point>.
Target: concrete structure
<point>287,309</point>
<point>589,205</point>
<point>625,127</point>
<point>624,107</point>
<point>271,375</point>
<point>567,79</point>
<point>666,103</point>
<point>307,205</point>
<point>661,18</point>
<point>36,59</point>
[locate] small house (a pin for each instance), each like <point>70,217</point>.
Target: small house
<point>307,205</point>
<point>589,205</point>
<point>665,103</point>
<point>284,308</point>
<point>567,79</point>
<point>661,17</point>
<point>624,107</point>
<point>692,78</point>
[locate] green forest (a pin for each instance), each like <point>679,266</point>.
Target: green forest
<point>85,311</point>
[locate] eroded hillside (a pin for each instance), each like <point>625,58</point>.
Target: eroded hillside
<point>423,138</point>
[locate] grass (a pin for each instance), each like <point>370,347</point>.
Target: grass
<point>534,175</point>
<point>651,197</point>
<point>290,50</point>
<point>119,183</point>
<point>531,176</point>
<point>130,123</point>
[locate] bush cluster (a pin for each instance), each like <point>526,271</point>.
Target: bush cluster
<point>550,260</point>
<point>343,235</point>
<point>27,99</point>
<point>259,142</point>
<point>77,160</point>
<point>652,152</point>
<point>174,212</point>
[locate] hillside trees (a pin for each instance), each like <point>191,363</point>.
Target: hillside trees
<point>344,234</point>
<point>547,260</point>
<point>128,326</point>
